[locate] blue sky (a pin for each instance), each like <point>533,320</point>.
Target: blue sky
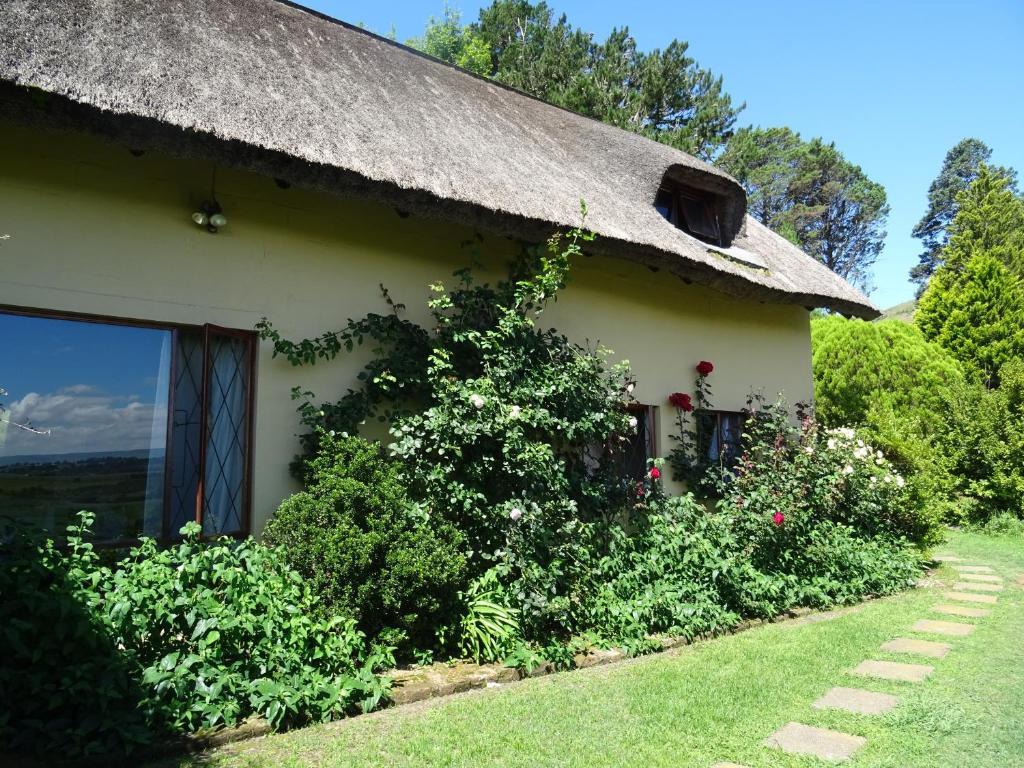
<point>895,84</point>
<point>95,387</point>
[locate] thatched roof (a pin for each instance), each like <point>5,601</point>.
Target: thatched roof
<point>275,88</point>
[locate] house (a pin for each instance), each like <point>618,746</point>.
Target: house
<point>171,173</point>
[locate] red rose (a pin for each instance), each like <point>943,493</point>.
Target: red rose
<point>681,401</point>
<point>639,490</point>
<point>655,473</point>
<point>704,368</point>
<point>778,517</point>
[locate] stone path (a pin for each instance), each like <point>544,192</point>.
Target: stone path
<point>954,628</point>
<point>971,597</point>
<point>799,739</point>
<point>920,647</point>
<point>973,568</point>
<point>968,586</point>
<point>856,700</point>
<point>988,577</point>
<point>962,610</point>
<point>893,670</point>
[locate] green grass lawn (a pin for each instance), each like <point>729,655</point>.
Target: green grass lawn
<point>716,700</point>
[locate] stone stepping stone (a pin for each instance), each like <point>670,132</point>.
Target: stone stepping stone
<point>987,577</point>
<point>971,597</point>
<point>970,586</point>
<point>947,559</point>
<point>856,700</point>
<point>893,670</point>
<point>920,647</point>
<point>953,628</point>
<point>973,568</point>
<point>962,610</point>
<point>797,739</point>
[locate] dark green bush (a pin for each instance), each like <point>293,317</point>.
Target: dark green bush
<point>200,635</point>
<point>365,551</point>
<point>985,445</point>
<point>66,687</point>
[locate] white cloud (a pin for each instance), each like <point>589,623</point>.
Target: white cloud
<point>80,419</point>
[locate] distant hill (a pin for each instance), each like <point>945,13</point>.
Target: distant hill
<point>69,458</point>
<point>903,312</point>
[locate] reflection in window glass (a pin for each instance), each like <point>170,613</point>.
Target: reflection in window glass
<point>99,395</point>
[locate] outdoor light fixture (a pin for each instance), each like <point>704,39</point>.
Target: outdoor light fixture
<point>210,214</point>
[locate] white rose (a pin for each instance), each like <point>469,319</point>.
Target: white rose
<point>630,387</point>
<point>874,480</point>
<point>879,455</point>
<point>831,443</point>
<point>515,513</point>
<point>477,401</point>
<point>887,478</point>
<point>809,450</point>
<point>514,413</point>
<point>900,481</point>
<point>847,470</point>
<point>633,422</point>
<point>879,461</point>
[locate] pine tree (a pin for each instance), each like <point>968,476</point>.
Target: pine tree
<point>974,303</point>
<point>662,93</point>
<point>959,169</point>
<point>809,192</point>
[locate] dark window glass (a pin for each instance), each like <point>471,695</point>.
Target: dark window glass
<point>691,211</point>
<point>84,424</point>
<point>641,442</point>
<point>700,218</point>
<point>148,428</point>
<point>664,202</point>
<point>720,434</point>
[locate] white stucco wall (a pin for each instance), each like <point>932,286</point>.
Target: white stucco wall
<point>94,229</point>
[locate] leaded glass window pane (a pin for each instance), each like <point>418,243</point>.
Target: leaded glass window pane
<point>227,434</point>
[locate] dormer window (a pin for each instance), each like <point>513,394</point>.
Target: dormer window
<point>692,210</point>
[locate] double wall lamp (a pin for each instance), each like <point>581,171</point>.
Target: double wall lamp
<point>210,214</point>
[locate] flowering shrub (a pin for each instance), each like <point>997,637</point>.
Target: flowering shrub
<point>689,459</point>
<point>808,475</point>
<point>509,432</point>
<point>513,436</point>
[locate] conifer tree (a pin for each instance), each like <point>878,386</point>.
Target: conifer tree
<point>959,169</point>
<point>974,303</point>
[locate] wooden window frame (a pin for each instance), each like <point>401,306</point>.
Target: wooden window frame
<point>167,537</point>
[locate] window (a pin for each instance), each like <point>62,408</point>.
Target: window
<point>642,444</point>
<point>691,211</point>
<point>720,434</point>
<point>146,426</point>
